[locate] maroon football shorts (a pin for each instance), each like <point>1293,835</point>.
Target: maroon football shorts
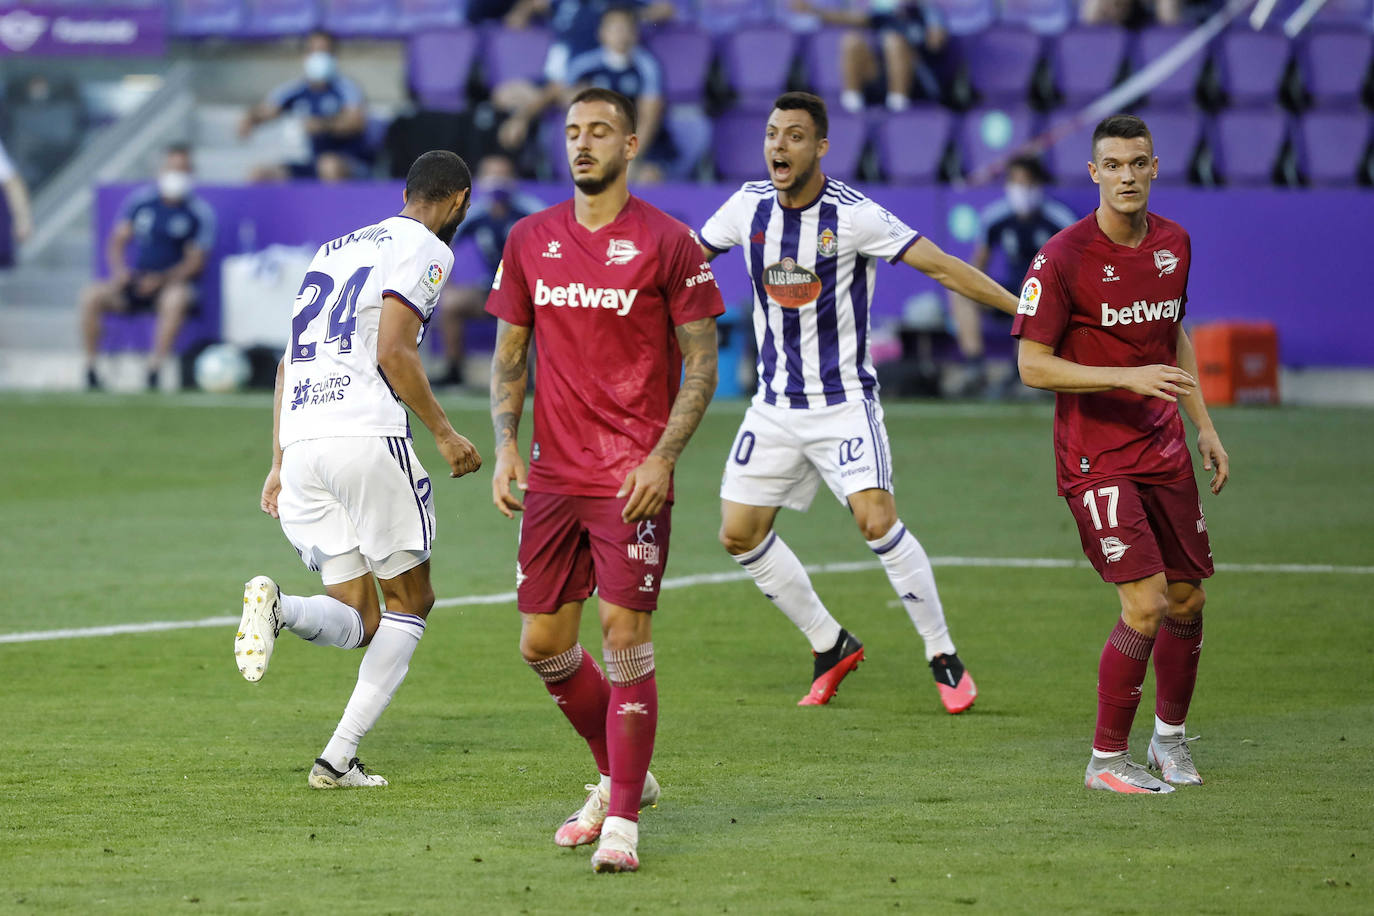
<point>1134,530</point>
<point>571,546</point>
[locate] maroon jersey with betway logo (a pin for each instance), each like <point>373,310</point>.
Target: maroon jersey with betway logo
<point>1098,303</point>
<point>603,306</point>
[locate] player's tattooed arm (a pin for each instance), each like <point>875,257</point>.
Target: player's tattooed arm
<point>647,485</point>
<point>508,374</point>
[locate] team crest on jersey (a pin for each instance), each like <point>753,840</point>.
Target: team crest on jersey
<point>1165,261</point>
<point>621,251</point>
<point>791,285</point>
<point>1030,297</point>
<point>827,245</point>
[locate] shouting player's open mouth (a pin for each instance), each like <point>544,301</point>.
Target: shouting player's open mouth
<point>782,169</point>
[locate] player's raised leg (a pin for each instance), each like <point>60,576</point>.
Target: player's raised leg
<point>908,569</point>
<point>746,533</point>
<point>392,635</point>
<point>1177,650</point>
<point>1120,673</point>
<point>325,620</point>
<point>631,725</point>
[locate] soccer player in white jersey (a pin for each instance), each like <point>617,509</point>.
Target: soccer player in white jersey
<point>345,482</point>
<point>811,246</point>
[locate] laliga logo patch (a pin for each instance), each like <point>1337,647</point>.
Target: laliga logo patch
<point>1165,261</point>
<point>790,285</point>
<point>826,245</point>
<point>1113,548</point>
<point>1030,297</point>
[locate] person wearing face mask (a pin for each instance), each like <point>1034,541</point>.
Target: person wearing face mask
<point>155,254</point>
<point>1018,226</point>
<point>332,108</point>
<point>500,205</point>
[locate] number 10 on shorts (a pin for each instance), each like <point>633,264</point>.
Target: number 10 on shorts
<point>1110,494</point>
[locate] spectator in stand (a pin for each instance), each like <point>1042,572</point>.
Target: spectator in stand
<point>18,222</point>
<point>478,11</point>
<point>1133,13</point>
<point>670,149</point>
<point>332,108</point>
<point>499,206</point>
<point>171,231</point>
<point>575,24</point>
<point>908,32</point>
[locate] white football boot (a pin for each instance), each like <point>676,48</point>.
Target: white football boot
<point>585,824</point>
<point>324,776</point>
<point>258,628</point>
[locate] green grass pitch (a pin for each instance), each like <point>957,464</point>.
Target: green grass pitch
<point>143,775</point>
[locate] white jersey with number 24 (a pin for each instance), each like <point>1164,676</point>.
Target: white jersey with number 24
<point>333,385</point>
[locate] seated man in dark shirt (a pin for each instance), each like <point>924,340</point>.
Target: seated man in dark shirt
<point>155,253</point>
<point>498,206</point>
<point>334,113</point>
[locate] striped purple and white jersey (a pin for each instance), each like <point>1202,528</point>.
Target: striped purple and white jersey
<point>333,385</point>
<point>813,270</point>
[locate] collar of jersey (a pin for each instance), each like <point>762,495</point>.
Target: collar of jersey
<point>819,194</point>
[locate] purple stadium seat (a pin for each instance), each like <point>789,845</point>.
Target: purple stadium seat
<point>1086,60</point>
<point>848,137</point>
<point>282,18</point>
<point>1001,62</point>
<point>1333,145</point>
<point>1044,17</point>
<point>822,56</point>
<point>361,18</point>
<point>202,18</point>
<point>966,17</point>
<point>739,146</point>
<point>1248,144</point>
<point>912,144</point>
<point>1067,159</point>
<point>684,52</point>
<point>1357,14</point>
<point>988,134</point>
<point>1181,84</point>
<point>1251,65</point>
<point>1175,132</point>
<point>720,17</point>
<point>516,54</point>
<point>414,15</point>
<point>439,61</point>
<point>757,61</point>
<point>1335,65</point>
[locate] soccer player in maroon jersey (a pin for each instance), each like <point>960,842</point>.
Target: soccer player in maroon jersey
<point>619,301</point>
<point>1101,323</point>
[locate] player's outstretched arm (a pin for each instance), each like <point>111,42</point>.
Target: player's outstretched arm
<point>958,276</point>
<point>1214,457</point>
<point>271,487</point>
<point>647,485</point>
<point>508,376</point>
<point>398,356</point>
<point>1040,368</point>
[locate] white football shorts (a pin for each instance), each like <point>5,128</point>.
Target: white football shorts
<point>781,455</point>
<point>354,504</point>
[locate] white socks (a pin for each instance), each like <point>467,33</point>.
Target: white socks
<point>322,620</point>
<point>783,580</point>
<point>908,569</point>
<point>383,668</point>
<point>1164,728</point>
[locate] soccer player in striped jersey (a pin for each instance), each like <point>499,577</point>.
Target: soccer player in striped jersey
<point>811,246</point>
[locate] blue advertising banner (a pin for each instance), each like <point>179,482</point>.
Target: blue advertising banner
<point>40,30</point>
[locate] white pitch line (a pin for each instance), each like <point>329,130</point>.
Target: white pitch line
<point>735,575</point>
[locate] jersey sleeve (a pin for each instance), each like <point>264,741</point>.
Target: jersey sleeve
<point>510,294</point>
<point>204,239</point>
<point>350,93</point>
<point>1187,273</point>
<point>724,230</point>
<point>284,95</point>
<point>1043,311</point>
<point>650,72</point>
<point>689,284</point>
<point>416,275</point>
<point>879,234</point>
<point>581,65</point>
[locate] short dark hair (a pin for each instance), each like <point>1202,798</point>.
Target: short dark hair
<point>813,105</point>
<point>437,175</point>
<point>1123,126</point>
<point>619,102</point>
<point>179,148</point>
<point>329,37</point>
<point>1032,166</point>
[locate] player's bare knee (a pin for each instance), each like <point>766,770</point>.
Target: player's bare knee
<point>1145,613</point>
<point>1188,606</point>
<point>738,540</point>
